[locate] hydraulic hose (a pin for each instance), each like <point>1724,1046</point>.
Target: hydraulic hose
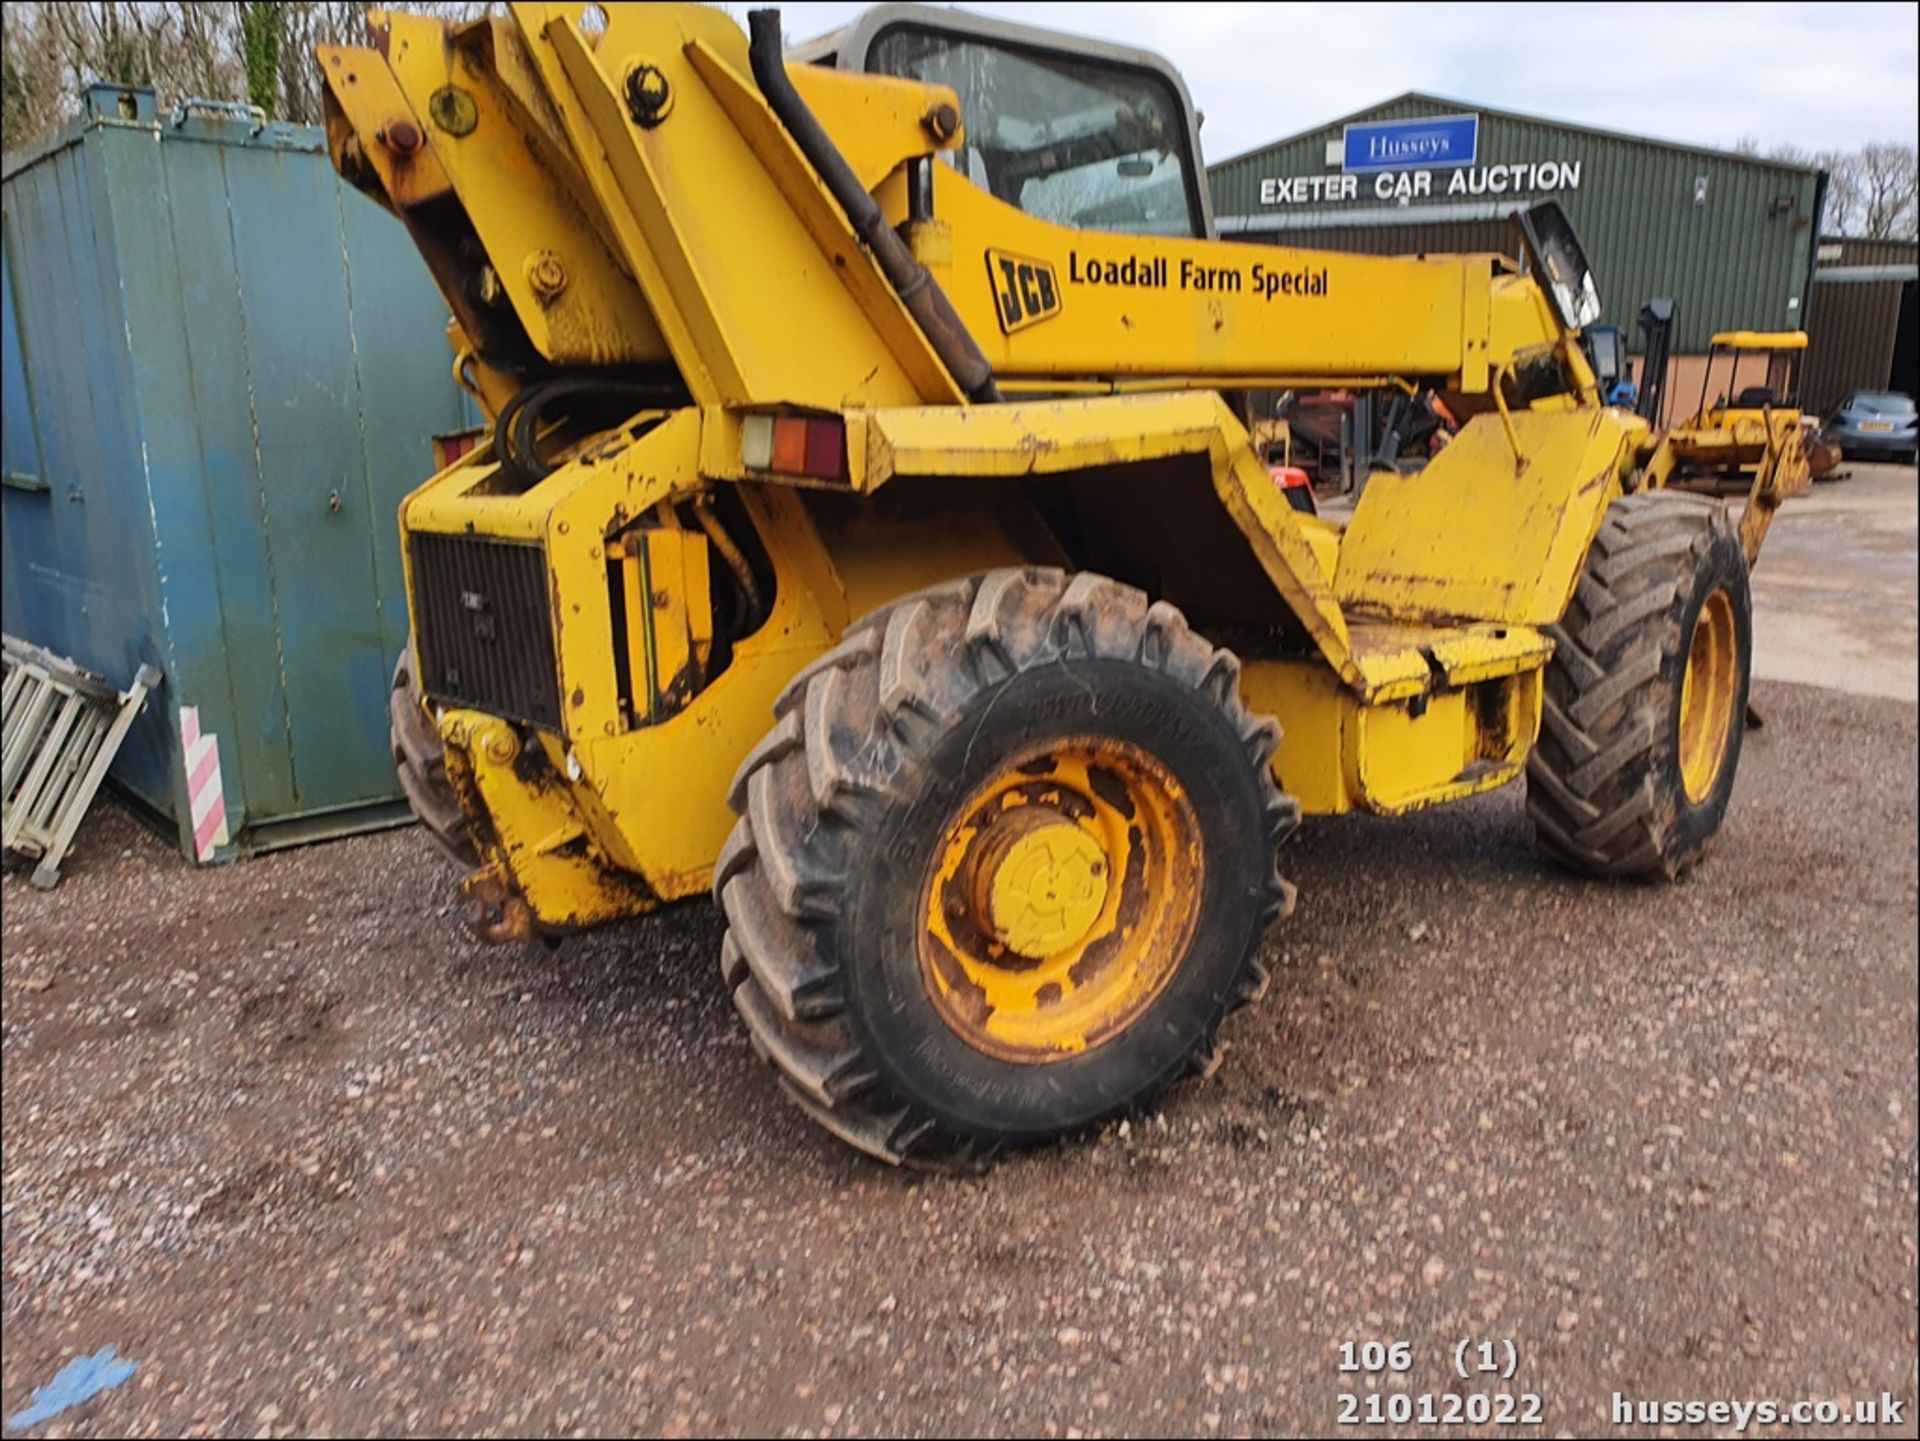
<point>926,302</point>
<point>516,429</point>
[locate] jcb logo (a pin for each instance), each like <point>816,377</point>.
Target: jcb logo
<point>1023,290</point>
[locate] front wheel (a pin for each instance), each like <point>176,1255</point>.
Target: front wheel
<point>1003,866</point>
<point>420,763</point>
<point>1646,694</point>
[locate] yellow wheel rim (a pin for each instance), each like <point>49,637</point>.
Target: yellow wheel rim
<point>1707,690</point>
<point>1060,900</point>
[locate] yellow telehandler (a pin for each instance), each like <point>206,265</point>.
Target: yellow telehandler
<point>862,535</point>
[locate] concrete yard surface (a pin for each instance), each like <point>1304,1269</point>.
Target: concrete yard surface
<point>1835,592</point>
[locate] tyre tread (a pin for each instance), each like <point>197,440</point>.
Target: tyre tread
<point>420,765</point>
<point>1591,790</point>
<point>847,731</point>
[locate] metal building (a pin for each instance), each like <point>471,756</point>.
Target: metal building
<point>221,372</point>
<point>1862,331</point>
<point>1730,237</point>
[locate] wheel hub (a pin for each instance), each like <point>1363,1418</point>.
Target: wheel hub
<point>1046,882</point>
<point>1061,899</point>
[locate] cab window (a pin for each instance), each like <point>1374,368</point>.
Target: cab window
<point>1066,138</point>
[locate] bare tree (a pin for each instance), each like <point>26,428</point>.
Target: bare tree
<point>30,75</point>
<point>101,40</point>
<point>53,49</point>
<point>1890,191</point>
<point>202,63</point>
<point>258,50</point>
<point>1870,191</point>
<point>307,23</point>
<point>1843,192</point>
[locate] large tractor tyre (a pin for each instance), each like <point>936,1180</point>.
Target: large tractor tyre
<point>1646,694</point>
<point>1003,866</point>
<point>420,760</point>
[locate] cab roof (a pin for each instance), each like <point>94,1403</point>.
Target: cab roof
<point>1760,340</point>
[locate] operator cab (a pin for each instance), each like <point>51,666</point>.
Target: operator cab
<point>1754,419</point>
<point>1772,384</point>
<point>1072,131</point>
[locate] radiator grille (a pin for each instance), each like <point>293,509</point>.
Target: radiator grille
<point>485,636</point>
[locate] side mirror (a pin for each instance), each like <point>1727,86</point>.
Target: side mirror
<point>1559,264</point>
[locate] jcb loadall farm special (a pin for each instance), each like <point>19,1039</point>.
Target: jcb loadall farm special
<point>862,535</point>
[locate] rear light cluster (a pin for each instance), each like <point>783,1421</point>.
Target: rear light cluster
<point>452,445</point>
<point>795,445</point>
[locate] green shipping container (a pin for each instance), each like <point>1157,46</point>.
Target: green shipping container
<point>222,372</point>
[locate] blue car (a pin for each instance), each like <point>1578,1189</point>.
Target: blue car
<point>1873,424</point>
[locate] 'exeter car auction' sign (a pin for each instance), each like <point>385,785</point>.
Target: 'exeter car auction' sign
<point>1525,177</point>
<point>1408,160</point>
<point>1433,143</point>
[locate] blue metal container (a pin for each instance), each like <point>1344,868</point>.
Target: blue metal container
<point>222,371</point>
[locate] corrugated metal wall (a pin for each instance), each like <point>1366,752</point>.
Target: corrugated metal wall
<point>80,575</point>
<point>1456,237</point>
<point>1861,331</point>
<point>233,368</point>
<point>1850,346</point>
<point>1859,250</point>
<point>1734,261</point>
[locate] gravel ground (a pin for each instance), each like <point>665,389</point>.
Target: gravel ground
<point>321,1165</point>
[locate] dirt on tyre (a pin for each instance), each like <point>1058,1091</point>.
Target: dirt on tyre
<point>1646,694</point>
<point>1003,866</point>
<point>420,761</point>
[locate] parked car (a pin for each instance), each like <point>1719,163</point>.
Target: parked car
<point>1873,423</point>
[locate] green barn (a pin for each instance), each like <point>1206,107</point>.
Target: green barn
<point>1732,239</point>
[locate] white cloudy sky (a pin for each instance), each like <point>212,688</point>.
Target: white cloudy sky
<point>1813,75</point>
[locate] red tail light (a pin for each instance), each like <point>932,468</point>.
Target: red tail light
<point>449,447</point>
<point>795,445</point>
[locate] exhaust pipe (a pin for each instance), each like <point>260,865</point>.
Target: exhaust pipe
<point>926,302</point>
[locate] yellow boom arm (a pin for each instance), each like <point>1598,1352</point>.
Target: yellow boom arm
<point>566,231</point>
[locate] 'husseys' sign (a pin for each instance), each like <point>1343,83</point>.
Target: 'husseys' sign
<point>1403,161</point>
<point>1435,142</point>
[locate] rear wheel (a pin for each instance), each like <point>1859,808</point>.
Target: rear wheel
<point>1646,694</point>
<point>420,761</point>
<point>1002,867</point>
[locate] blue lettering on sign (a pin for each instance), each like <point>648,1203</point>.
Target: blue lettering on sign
<point>1435,143</point>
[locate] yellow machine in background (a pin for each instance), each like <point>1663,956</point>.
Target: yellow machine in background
<point>1752,438</point>
<point>862,535</point>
